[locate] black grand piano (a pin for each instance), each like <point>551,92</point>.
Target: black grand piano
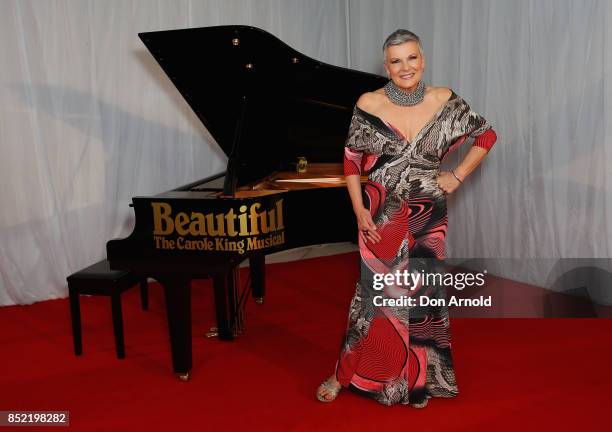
<point>281,118</point>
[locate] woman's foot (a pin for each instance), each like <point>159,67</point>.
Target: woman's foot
<point>329,389</point>
<point>421,404</point>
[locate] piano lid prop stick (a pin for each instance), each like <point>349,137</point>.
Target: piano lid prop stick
<point>231,178</point>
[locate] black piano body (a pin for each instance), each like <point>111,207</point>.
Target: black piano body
<point>266,105</point>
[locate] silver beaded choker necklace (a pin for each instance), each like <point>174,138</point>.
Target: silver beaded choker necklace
<point>403,98</point>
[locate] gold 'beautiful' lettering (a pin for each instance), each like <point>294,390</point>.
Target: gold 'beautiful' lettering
<point>162,222</point>
<point>198,224</point>
<point>180,224</point>
<point>220,229</point>
<point>279,210</point>
<point>242,217</point>
<point>252,220</point>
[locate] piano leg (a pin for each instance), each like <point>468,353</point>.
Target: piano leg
<point>257,267</point>
<point>223,284</point>
<point>233,282</point>
<point>178,307</point>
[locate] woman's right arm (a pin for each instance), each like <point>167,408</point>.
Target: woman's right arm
<point>353,155</point>
<point>365,224</point>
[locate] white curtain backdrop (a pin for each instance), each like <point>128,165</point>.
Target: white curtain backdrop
<point>88,120</point>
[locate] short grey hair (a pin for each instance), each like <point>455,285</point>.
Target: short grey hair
<point>401,36</point>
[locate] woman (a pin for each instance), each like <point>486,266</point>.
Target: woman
<point>399,134</point>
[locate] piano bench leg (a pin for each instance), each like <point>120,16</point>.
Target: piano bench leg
<point>118,325</point>
<point>75,315</point>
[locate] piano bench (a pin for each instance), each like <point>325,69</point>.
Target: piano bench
<point>99,279</point>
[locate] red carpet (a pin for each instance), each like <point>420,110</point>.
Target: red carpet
<point>513,374</point>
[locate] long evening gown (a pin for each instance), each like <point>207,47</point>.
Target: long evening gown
<point>402,354</point>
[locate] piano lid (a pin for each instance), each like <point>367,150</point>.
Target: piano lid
<point>296,106</point>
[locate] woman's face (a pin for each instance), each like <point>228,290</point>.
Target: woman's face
<point>405,64</point>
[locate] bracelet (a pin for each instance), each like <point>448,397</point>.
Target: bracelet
<point>455,175</point>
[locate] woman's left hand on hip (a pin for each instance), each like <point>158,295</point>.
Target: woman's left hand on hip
<point>447,182</point>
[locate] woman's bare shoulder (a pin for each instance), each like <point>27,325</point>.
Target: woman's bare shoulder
<point>441,94</point>
<point>369,101</point>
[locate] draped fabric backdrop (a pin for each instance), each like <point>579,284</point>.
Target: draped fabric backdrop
<point>88,120</point>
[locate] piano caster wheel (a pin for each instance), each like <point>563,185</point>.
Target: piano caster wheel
<point>213,332</point>
<point>184,376</point>
<point>259,300</point>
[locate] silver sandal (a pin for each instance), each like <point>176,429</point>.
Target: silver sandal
<point>331,390</point>
<point>420,404</point>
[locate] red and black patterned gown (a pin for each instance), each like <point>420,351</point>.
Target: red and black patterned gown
<point>391,353</point>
